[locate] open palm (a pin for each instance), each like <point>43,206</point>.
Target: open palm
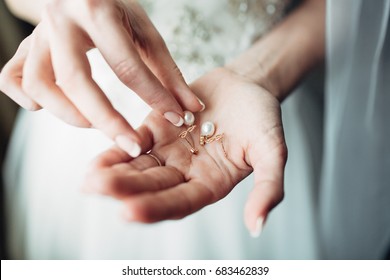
<point>249,118</point>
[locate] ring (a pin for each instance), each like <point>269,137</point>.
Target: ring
<point>154,157</point>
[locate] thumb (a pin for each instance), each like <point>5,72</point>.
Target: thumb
<point>268,190</point>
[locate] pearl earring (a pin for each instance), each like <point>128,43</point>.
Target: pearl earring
<point>207,131</point>
<point>189,120</point>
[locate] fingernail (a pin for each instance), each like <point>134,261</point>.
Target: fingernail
<point>202,104</point>
<point>128,145</point>
<point>174,118</point>
<point>259,227</point>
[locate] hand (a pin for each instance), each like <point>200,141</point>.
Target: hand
<point>51,70</point>
<point>247,115</point>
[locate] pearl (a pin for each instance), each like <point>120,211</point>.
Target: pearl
<point>207,129</point>
<point>189,118</point>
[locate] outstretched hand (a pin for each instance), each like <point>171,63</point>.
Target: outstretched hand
<point>249,118</point>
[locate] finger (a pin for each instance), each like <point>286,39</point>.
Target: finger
<point>73,75</point>
<point>127,64</point>
<point>108,158</point>
<point>11,78</point>
<point>115,155</point>
<point>268,190</point>
<point>123,181</point>
<point>173,203</point>
<point>166,70</point>
<point>159,60</point>
<point>39,83</point>
<point>111,168</point>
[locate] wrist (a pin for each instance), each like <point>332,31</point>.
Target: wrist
<point>259,73</point>
<point>280,59</point>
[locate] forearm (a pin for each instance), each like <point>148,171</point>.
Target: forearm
<point>27,10</point>
<point>281,59</point>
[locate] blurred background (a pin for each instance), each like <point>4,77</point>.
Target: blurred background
<point>12,32</point>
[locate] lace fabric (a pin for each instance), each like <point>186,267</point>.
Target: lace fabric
<point>204,34</point>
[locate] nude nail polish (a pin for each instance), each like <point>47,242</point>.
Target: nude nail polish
<point>174,118</point>
<point>258,228</point>
<point>128,145</point>
<point>202,104</point>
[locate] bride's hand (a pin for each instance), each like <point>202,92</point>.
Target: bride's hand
<point>247,115</point>
<point>51,69</point>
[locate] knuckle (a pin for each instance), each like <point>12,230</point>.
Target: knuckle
<point>52,10</point>
<point>110,122</point>
<point>156,99</point>
<point>127,72</point>
<point>31,88</point>
<point>5,80</point>
<point>94,9</point>
<point>94,5</point>
<point>71,78</point>
<point>53,18</point>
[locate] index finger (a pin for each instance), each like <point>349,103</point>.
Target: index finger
<point>122,56</point>
<point>73,75</point>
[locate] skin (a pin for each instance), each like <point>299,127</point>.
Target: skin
<point>258,81</point>
<point>185,184</point>
<point>50,69</point>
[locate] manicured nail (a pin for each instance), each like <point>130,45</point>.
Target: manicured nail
<point>259,227</point>
<point>202,104</point>
<point>128,145</point>
<point>174,118</point>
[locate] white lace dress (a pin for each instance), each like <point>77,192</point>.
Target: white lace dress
<point>48,217</point>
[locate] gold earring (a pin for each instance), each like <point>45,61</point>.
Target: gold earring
<point>189,120</point>
<point>184,134</point>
